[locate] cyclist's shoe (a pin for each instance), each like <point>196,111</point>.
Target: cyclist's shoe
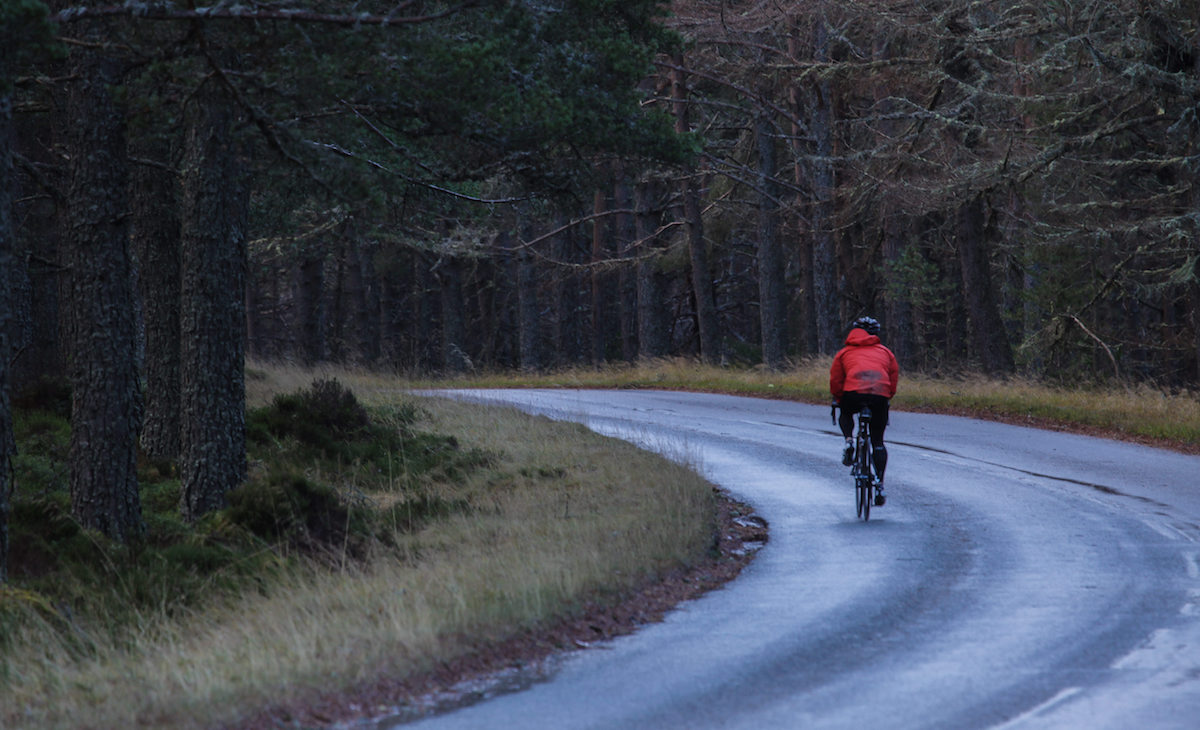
<point>880,497</point>
<point>848,454</point>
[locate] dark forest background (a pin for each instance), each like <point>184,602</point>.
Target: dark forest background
<point>1009,187</point>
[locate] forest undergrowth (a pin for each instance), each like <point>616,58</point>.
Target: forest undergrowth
<point>377,534</point>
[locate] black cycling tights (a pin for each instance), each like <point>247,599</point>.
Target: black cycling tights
<point>852,403</point>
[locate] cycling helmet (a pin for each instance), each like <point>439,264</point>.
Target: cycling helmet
<point>870,324</point>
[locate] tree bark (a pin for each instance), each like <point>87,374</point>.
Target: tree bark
<point>213,213</point>
<point>809,341</point>
<point>105,398</point>
<point>528,318</point>
<point>310,306</point>
<point>36,284</point>
<point>599,283</point>
<point>454,327</point>
<point>337,339</point>
<point>626,235</point>
<point>704,302</point>
<point>897,308</point>
<point>653,334</point>
<point>894,227</point>
<point>825,274</point>
<point>155,237</point>
<point>568,320</point>
<point>987,327</point>
<point>504,326</point>
<point>772,306</point>
<point>1193,147</point>
<point>364,294</point>
<point>7,445</point>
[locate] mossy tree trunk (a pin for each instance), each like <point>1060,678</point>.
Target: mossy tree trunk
<point>213,218</point>
<point>105,395</point>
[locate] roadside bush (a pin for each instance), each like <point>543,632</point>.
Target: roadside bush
<point>286,507</point>
<point>326,417</point>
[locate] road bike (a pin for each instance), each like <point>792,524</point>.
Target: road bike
<point>863,468</point>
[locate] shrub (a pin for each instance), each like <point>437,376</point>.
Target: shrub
<point>326,417</point>
<point>286,507</point>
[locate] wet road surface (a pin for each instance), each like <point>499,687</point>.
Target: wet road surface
<point>1016,578</point>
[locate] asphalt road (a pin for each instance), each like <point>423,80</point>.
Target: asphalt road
<point>1016,578</point>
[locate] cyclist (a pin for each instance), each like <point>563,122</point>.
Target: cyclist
<point>864,373</point>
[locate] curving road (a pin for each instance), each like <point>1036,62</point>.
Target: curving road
<point>1016,579</point>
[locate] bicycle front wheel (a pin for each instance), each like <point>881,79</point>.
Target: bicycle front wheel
<point>862,497</point>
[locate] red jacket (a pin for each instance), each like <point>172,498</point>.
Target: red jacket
<point>864,366</point>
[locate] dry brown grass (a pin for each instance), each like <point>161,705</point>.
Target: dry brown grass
<point>562,517</point>
<point>1165,418</point>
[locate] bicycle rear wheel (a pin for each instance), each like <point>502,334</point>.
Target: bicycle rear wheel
<point>862,497</point>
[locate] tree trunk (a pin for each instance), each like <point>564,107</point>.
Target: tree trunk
<point>364,296</point>
<point>528,309</point>
<point>105,398</point>
<point>703,301</point>
<point>772,308</point>
<point>987,327</point>
<point>310,306</point>
<point>505,305</point>
<point>897,307</point>
<point>893,225</point>
<point>569,327</point>
<point>808,307</point>
<point>214,210</point>
<point>338,337</point>
<point>1194,285</point>
<point>825,274</point>
<point>454,328</point>
<point>7,446</point>
<point>626,236</point>
<point>600,282</point>
<point>528,318</point>
<point>37,284</point>
<point>653,334</point>
<point>155,237</point>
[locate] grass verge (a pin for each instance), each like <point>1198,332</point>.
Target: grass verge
<point>522,521</point>
<point>1165,418</point>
